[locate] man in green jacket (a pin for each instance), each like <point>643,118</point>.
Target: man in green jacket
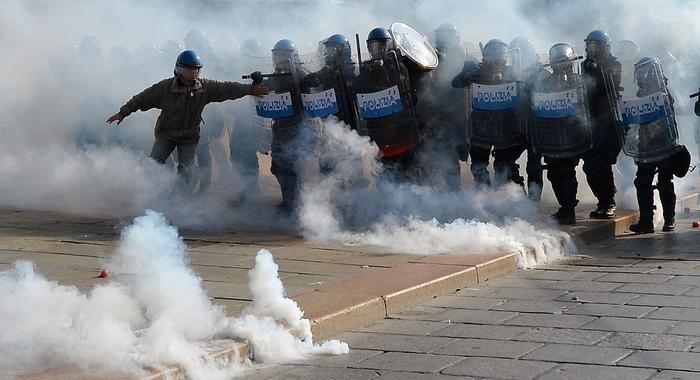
<point>181,100</point>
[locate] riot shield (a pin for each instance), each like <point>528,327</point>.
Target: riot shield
<point>282,108</point>
<point>560,125</point>
<point>414,45</point>
<point>385,109</point>
<point>652,131</point>
<point>496,115</point>
<point>327,91</point>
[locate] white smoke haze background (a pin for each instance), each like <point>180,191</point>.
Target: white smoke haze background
<point>151,313</point>
<point>79,61</point>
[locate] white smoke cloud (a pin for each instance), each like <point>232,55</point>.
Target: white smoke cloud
<point>421,220</point>
<point>153,312</point>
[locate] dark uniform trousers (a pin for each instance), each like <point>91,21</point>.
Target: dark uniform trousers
<point>505,168</point>
<point>561,173</point>
<point>291,145</point>
<point>645,190</point>
<point>597,165</point>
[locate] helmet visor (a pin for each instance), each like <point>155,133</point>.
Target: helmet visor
<point>497,53</point>
<point>594,48</point>
<point>282,59</point>
<point>377,48</point>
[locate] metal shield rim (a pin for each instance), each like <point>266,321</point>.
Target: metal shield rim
<point>406,52</point>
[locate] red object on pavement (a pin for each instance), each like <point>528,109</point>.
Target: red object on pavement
<point>696,224</point>
<point>103,274</point>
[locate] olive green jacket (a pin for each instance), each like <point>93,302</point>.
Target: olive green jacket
<point>181,106</point>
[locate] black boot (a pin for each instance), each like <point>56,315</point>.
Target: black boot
<point>603,212</point>
<point>669,225</point>
<point>565,216</point>
<point>644,226</point>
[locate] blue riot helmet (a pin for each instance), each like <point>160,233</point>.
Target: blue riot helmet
<point>522,49</point>
<point>561,57</point>
<point>446,37</point>
<point>338,45</point>
<point>284,54</point>
<point>379,42</point>
<point>597,44</point>
<point>495,52</point>
<point>189,59</point>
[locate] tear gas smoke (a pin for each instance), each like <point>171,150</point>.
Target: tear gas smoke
<point>153,312</point>
<point>420,220</point>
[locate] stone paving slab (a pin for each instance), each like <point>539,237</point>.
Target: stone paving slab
<point>683,361</point>
<point>561,335</point>
<point>595,372</point>
<point>650,342</point>
<point>498,368</point>
<point>488,348</point>
<point>409,362</point>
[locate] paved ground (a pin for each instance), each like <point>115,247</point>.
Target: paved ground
<point>628,308</point>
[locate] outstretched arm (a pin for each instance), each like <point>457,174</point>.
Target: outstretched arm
<point>217,91</point>
<point>144,101</point>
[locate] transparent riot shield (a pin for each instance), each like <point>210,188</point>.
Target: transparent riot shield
<point>385,109</point>
<point>652,131</point>
<point>560,124</point>
<point>326,90</point>
<point>613,95</point>
<point>496,115</point>
<point>282,108</point>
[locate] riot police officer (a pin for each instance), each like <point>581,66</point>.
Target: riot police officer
<point>560,128</point>
<point>496,120</point>
<point>292,140</point>
<point>445,140</point>
<point>181,100</point>
<point>386,108</point>
<point>334,80</point>
<point>528,68</point>
<point>652,140</point>
<point>603,73</point>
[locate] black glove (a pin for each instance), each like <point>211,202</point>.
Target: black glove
<point>590,64</point>
<point>257,78</point>
<point>697,108</point>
